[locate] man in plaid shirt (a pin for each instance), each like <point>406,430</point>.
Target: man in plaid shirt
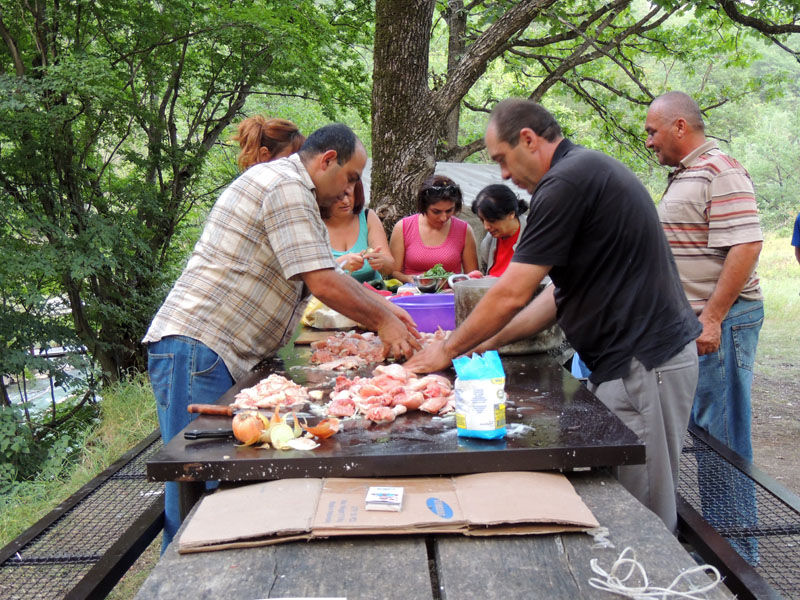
<point>264,248</point>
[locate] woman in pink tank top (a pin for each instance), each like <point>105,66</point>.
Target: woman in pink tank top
<point>434,235</point>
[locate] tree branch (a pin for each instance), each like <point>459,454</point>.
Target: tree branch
<point>459,153</point>
<point>488,46</point>
<point>730,8</point>
<point>13,49</point>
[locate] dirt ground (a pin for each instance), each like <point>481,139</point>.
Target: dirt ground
<point>776,427</point>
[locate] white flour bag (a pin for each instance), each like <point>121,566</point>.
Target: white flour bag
<point>480,396</point>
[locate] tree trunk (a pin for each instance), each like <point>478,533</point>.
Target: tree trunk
<point>403,123</point>
<point>456,17</point>
<point>5,400</point>
<point>406,115</point>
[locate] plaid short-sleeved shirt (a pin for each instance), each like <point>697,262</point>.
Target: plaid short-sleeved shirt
<point>240,293</point>
<point>709,206</point>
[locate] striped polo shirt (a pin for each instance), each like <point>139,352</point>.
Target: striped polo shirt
<point>709,205</point>
<point>241,291</point>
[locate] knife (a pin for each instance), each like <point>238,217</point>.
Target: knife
<point>212,409</point>
<point>201,434</point>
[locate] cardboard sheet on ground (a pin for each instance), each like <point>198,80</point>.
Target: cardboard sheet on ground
<point>506,503</point>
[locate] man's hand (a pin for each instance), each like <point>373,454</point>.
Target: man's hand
<point>736,270</point>
<point>403,315</point>
<point>432,358</point>
<point>709,339</point>
<point>345,295</point>
<point>400,336</point>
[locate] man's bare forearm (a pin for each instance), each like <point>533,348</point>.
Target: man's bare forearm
<point>497,308</point>
<point>739,264</point>
<point>536,317</point>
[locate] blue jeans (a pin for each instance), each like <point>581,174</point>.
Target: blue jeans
<point>722,400</point>
<point>722,408</point>
<point>182,371</point>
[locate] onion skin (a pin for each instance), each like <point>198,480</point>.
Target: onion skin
<point>248,427</point>
<point>324,429</point>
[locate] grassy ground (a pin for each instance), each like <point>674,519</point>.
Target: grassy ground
<point>128,416</point>
<point>776,384</point>
<point>779,344</point>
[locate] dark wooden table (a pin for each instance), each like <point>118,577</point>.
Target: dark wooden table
<point>554,422</point>
<point>551,567</point>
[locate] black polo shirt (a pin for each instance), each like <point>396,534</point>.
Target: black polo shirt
<point>617,288</point>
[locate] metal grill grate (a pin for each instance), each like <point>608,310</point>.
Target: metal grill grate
<point>54,561</point>
<point>762,528</point>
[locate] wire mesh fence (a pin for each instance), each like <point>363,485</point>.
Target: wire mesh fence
<point>760,526</point>
<point>55,560</point>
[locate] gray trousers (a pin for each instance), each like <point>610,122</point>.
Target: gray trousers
<point>655,404</point>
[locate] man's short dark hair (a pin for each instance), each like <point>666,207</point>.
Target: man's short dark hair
<point>336,136</point>
<point>513,115</point>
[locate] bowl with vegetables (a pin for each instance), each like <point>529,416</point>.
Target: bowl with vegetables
<point>432,280</point>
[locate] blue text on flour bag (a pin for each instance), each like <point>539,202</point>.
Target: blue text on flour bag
<point>480,396</point>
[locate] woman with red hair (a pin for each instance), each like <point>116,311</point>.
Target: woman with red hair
<point>262,140</point>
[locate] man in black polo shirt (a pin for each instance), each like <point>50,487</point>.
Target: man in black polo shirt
<point>593,228</point>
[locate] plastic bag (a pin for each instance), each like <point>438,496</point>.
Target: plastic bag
<point>319,316</point>
<point>480,396</point>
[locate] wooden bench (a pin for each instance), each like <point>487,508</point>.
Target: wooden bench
<point>554,566</point>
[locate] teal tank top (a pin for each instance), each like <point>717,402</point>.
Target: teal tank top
<point>365,273</point>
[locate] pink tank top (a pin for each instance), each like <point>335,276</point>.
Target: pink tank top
<point>419,257</point>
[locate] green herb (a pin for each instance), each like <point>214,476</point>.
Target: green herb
<point>437,271</point>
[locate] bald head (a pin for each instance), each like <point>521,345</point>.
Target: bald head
<point>674,127</point>
<point>678,105</point>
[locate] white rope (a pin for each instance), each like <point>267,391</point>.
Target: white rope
<point>616,583</point>
<point>600,536</point>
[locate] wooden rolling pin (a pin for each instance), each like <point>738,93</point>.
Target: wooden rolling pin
<point>212,409</point>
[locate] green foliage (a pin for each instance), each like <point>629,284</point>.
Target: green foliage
<point>34,452</point>
<point>16,443</point>
<point>87,445</point>
<point>600,82</point>
<point>106,121</point>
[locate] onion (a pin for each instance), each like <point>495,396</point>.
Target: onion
<point>280,434</point>
<point>247,427</point>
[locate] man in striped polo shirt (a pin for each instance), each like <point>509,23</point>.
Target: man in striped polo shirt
<point>709,215</point>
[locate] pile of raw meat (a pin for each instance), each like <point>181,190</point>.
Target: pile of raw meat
<point>270,392</point>
<point>345,351</point>
<point>391,391</point>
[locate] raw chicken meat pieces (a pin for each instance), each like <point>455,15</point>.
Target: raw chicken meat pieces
<point>350,350</point>
<point>392,390</point>
<point>269,392</point>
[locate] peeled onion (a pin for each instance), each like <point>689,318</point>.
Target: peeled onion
<point>280,434</point>
<point>247,427</point>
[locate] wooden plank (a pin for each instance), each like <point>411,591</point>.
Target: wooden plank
<point>390,568</point>
<point>558,566</point>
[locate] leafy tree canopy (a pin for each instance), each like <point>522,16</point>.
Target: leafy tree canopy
<point>108,111</point>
